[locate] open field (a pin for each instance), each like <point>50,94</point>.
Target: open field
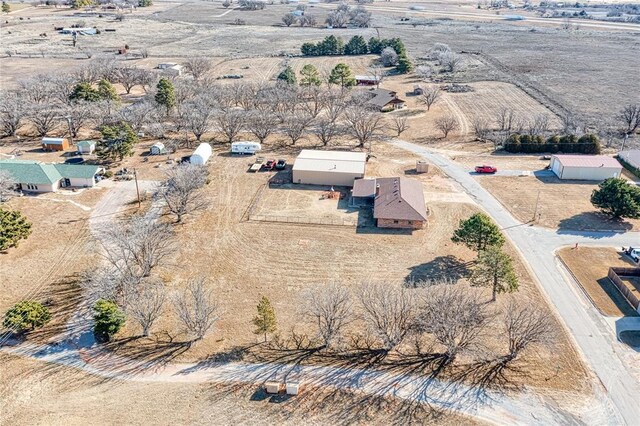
<point>561,204</point>
<point>590,266</point>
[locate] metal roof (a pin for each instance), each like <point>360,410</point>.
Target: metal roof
<point>82,171</point>
<point>399,199</point>
<point>53,141</point>
<point>25,171</point>
<point>86,144</point>
<point>588,161</point>
<point>331,161</point>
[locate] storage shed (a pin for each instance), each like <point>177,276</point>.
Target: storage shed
<point>585,167</point>
<point>86,147</point>
<point>338,168</point>
<point>201,155</point>
<point>55,144</point>
<point>157,149</point>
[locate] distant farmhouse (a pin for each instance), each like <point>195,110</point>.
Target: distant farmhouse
<point>367,80</point>
<point>34,176</point>
<point>385,100</point>
<point>397,202</point>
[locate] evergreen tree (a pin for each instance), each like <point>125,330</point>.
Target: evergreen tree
<point>6,8</point>
<point>341,74</point>
<point>375,45</point>
<point>13,228</point>
<point>495,269</point>
<point>310,76</point>
<point>617,198</point>
<point>108,319</point>
<point>265,321</point>
<point>26,315</point>
<point>165,94</point>
<point>404,65</point>
<point>145,3</point>
<point>84,92</point>
<point>478,232</point>
<point>288,75</point>
<point>106,91</point>
<point>117,142</point>
<point>356,46</point>
<point>77,4</point>
<point>309,49</point>
<point>331,45</point>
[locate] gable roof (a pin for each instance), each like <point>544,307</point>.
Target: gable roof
<point>399,199</point>
<point>331,161</point>
<point>35,172</point>
<point>383,97</point>
<point>25,171</point>
<point>588,161</point>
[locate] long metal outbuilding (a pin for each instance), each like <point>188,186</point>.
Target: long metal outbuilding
<point>585,167</point>
<point>336,168</point>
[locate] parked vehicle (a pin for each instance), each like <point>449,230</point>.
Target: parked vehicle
<point>245,147</point>
<point>633,253</point>
<point>281,164</point>
<point>486,169</point>
<point>270,164</point>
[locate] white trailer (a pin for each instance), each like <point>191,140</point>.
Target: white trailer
<point>245,147</point>
<point>201,155</point>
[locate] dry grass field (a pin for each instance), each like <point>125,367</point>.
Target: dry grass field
<point>519,195</point>
<point>590,266</point>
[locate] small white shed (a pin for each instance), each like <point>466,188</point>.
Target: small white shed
<point>157,149</point>
<point>585,167</point>
<point>86,147</point>
<point>201,155</point>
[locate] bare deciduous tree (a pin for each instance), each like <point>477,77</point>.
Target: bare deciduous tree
<point>451,62</point>
<point>38,89</point>
<point>261,124</point>
<point>137,246</point>
<point>78,115</point>
<point>289,19</point>
<point>327,130</point>
<point>147,306</point>
<point>506,119</point>
<point>363,124</point>
<point>307,20</point>
<point>230,123</point>
<point>524,327</point>
<point>569,123</point>
<point>481,127</point>
<point>630,117</point>
<point>7,186</point>
<point>455,318</point>
<point>330,309</point>
<point>538,125</point>
<point>446,124</point>
<point>197,115</point>
<point>389,312</point>
<point>198,67</point>
<point>197,309</point>
<point>129,77</point>
<point>430,96</point>
<point>181,189</point>
<point>12,112</point>
<point>295,126</point>
<point>399,124</point>
<point>138,114</point>
<point>388,57</point>
<point>44,118</point>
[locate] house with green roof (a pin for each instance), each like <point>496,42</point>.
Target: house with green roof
<point>35,176</point>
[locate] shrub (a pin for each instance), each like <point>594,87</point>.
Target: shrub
<point>108,320</point>
<point>13,228</point>
<point>586,144</point>
<point>26,315</point>
<point>617,198</point>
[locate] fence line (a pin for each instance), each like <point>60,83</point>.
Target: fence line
<point>615,274</point>
<point>303,220</point>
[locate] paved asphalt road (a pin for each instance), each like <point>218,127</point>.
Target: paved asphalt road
<point>593,336</point>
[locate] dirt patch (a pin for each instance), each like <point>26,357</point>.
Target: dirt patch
<point>519,194</point>
<point>590,266</point>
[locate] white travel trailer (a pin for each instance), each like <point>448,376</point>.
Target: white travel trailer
<point>201,155</point>
<point>245,147</point>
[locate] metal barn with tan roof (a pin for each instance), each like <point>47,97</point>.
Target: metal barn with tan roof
<point>585,167</point>
<point>335,168</point>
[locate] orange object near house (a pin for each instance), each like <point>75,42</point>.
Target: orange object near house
<point>55,144</point>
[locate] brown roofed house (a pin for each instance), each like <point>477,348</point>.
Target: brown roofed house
<point>385,100</point>
<point>397,202</point>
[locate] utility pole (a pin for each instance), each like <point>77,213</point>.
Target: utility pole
<point>535,211</point>
<point>135,176</point>
<point>624,140</point>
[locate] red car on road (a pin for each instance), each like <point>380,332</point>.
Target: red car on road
<point>486,169</point>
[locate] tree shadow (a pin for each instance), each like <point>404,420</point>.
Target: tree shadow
<point>593,221</point>
<point>440,268</point>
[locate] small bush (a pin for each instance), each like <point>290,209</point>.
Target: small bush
<point>26,315</point>
<point>108,320</point>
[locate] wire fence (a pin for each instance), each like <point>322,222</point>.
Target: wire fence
<point>304,220</point>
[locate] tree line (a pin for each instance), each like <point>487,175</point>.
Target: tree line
<point>585,144</point>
